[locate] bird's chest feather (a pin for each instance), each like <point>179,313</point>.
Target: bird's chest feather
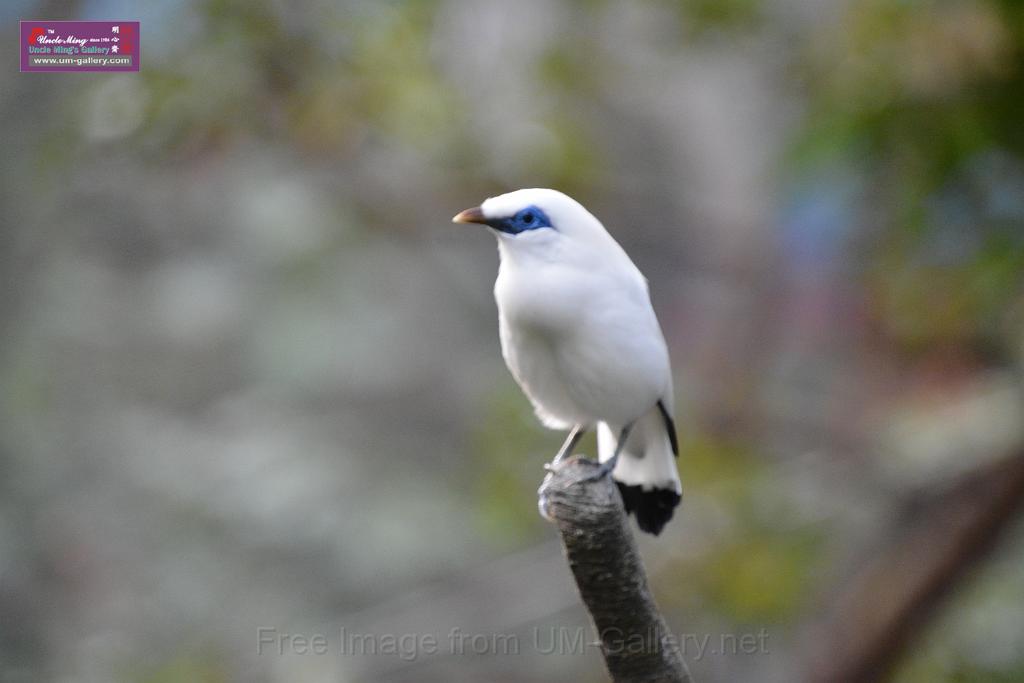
<point>543,304</point>
<point>539,314</point>
<point>580,342</point>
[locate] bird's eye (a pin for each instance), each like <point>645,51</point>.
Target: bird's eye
<point>528,217</point>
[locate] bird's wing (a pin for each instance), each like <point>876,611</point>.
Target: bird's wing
<point>670,427</point>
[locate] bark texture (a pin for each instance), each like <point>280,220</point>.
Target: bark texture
<point>604,560</point>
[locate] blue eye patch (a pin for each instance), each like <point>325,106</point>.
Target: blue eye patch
<point>530,218</point>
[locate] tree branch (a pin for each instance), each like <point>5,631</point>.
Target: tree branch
<point>878,616</point>
<point>604,560</point>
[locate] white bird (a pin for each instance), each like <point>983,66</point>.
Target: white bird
<point>580,337</point>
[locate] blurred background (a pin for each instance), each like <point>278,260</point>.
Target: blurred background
<point>250,374</point>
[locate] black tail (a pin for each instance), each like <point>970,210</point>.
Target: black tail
<point>653,507</point>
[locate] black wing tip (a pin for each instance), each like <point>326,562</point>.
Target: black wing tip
<point>670,427</point>
<point>653,507</point>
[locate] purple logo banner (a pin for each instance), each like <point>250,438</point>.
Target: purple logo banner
<point>80,46</point>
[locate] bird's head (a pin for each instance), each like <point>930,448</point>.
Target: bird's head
<point>535,216</point>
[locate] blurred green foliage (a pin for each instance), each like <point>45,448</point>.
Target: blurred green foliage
<point>763,565</point>
<point>706,15</point>
<point>347,73</point>
<point>186,667</point>
<point>509,448</point>
<point>925,100</point>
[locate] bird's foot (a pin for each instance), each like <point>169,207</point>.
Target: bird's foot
<point>542,493</point>
<point>602,471</point>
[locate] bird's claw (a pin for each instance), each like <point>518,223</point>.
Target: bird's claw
<point>542,508</point>
<point>542,497</point>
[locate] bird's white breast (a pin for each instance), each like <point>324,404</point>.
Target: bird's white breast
<point>581,339</point>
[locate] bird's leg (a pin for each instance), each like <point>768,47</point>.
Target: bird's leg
<point>608,465</point>
<point>570,443</point>
<point>564,452</point>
